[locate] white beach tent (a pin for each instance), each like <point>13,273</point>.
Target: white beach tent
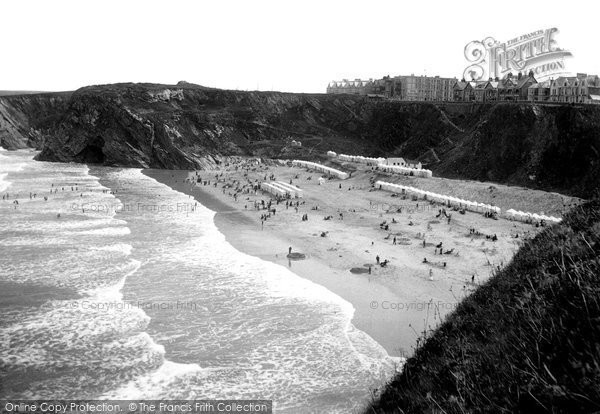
<point>321,168</point>
<point>290,189</point>
<point>438,198</point>
<point>396,169</point>
<point>272,189</point>
<point>360,159</point>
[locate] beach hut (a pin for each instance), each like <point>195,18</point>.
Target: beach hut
<point>289,189</point>
<point>321,168</point>
<point>450,201</point>
<point>272,189</point>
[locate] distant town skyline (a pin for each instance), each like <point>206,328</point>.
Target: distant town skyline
<point>265,45</point>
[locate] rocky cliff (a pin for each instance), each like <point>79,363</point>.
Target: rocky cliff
<point>549,147</point>
<point>190,126</point>
<point>27,119</point>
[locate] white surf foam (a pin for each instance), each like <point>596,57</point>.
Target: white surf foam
<point>154,385</point>
<point>4,183</point>
<point>281,282</point>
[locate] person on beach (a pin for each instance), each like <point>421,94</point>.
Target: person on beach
<point>377,258</point>
<point>394,242</point>
<point>290,250</point>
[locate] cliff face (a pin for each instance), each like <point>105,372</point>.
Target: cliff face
<point>548,147</point>
<point>26,120</point>
<point>188,126</point>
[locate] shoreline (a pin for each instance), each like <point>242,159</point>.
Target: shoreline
<point>393,305</point>
<point>242,232</point>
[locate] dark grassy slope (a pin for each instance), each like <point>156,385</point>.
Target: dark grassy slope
<point>528,341</point>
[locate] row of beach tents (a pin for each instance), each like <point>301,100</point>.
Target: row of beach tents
<point>360,159</point>
<point>466,204</point>
<point>396,169</point>
<point>321,168</point>
<point>530,217</point>
<point>282,189</point>
<point>439,198</point>
<point>381,164</point>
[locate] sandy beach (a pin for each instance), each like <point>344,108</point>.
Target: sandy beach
<point>393,304</point>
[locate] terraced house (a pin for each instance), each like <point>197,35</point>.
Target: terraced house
<point>582,88</point>
<point>509,88</point>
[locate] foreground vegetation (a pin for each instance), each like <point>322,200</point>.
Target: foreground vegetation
<point>527,341</point>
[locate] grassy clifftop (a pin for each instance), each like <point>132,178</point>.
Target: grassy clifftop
<point>528,341</point>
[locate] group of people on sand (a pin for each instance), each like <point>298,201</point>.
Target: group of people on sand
<point>491,214</point>
<point>382,263</point>
<point>474,232</point>
<point>251,187</point>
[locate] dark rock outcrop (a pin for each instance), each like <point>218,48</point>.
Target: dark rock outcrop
<point>26,120</point>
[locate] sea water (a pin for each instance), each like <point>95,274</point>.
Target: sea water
<point>117,286</point>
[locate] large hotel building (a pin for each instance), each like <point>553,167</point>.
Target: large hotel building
<point>405,88</point>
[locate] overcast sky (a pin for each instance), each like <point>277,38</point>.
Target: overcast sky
<point>296,46</point>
